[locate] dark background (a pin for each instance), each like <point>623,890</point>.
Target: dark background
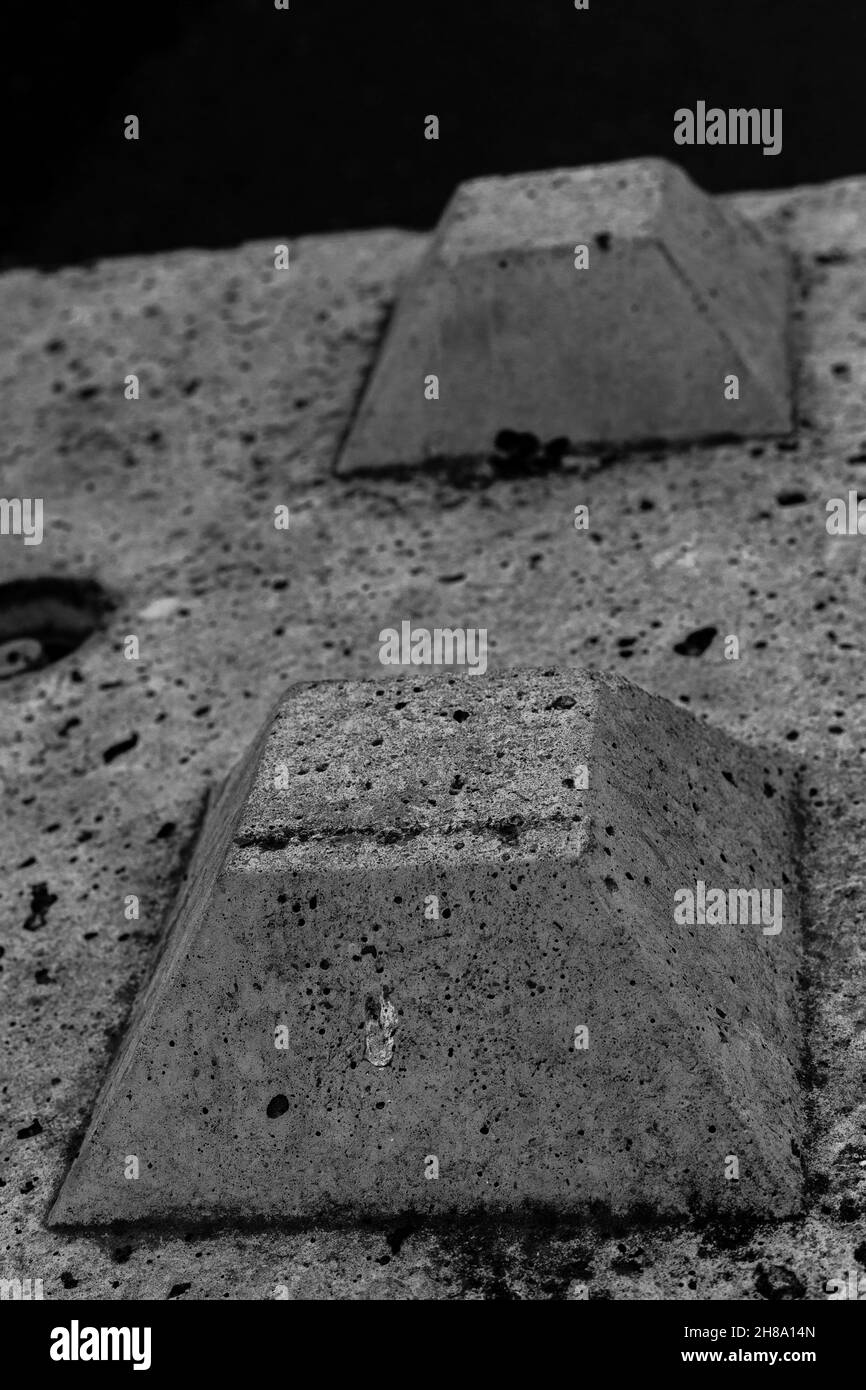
<point>264,123</point>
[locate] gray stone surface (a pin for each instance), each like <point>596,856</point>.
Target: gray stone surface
<point>309,908</point>
<point>678,295</point>
<point>249,382</point>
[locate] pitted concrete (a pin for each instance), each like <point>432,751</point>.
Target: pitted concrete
<point>410,875</point>
<point>676,298</point>
<point>168,502</point>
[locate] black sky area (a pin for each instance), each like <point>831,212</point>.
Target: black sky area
<point>257,122</point>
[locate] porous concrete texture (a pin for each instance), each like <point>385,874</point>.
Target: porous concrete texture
<point>676,297</point>
<point>419,851</point>
<point>249,381</point>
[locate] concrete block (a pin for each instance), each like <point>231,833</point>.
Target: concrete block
<point>675,298</point>
<point>429,958</point>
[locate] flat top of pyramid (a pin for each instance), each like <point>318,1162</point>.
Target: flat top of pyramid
<point>421,754</point>
<point>559,207</point>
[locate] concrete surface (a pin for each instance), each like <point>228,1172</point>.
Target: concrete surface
<point>249,381</point>
<point>607,304</point>
<point>418,854</point>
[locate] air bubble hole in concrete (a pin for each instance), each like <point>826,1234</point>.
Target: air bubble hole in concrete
<point>44,620</point>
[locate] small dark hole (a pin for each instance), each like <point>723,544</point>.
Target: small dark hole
<point>696,643</point>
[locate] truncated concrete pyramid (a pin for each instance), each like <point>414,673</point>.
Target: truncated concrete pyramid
<point>421,965</point>
<point>613,303</point>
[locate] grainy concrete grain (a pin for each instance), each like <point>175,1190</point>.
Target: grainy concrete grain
<point>249,382</point>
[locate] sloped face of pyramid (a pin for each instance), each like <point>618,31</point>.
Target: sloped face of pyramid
<point>673,297</point>
<point>429,959</point>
